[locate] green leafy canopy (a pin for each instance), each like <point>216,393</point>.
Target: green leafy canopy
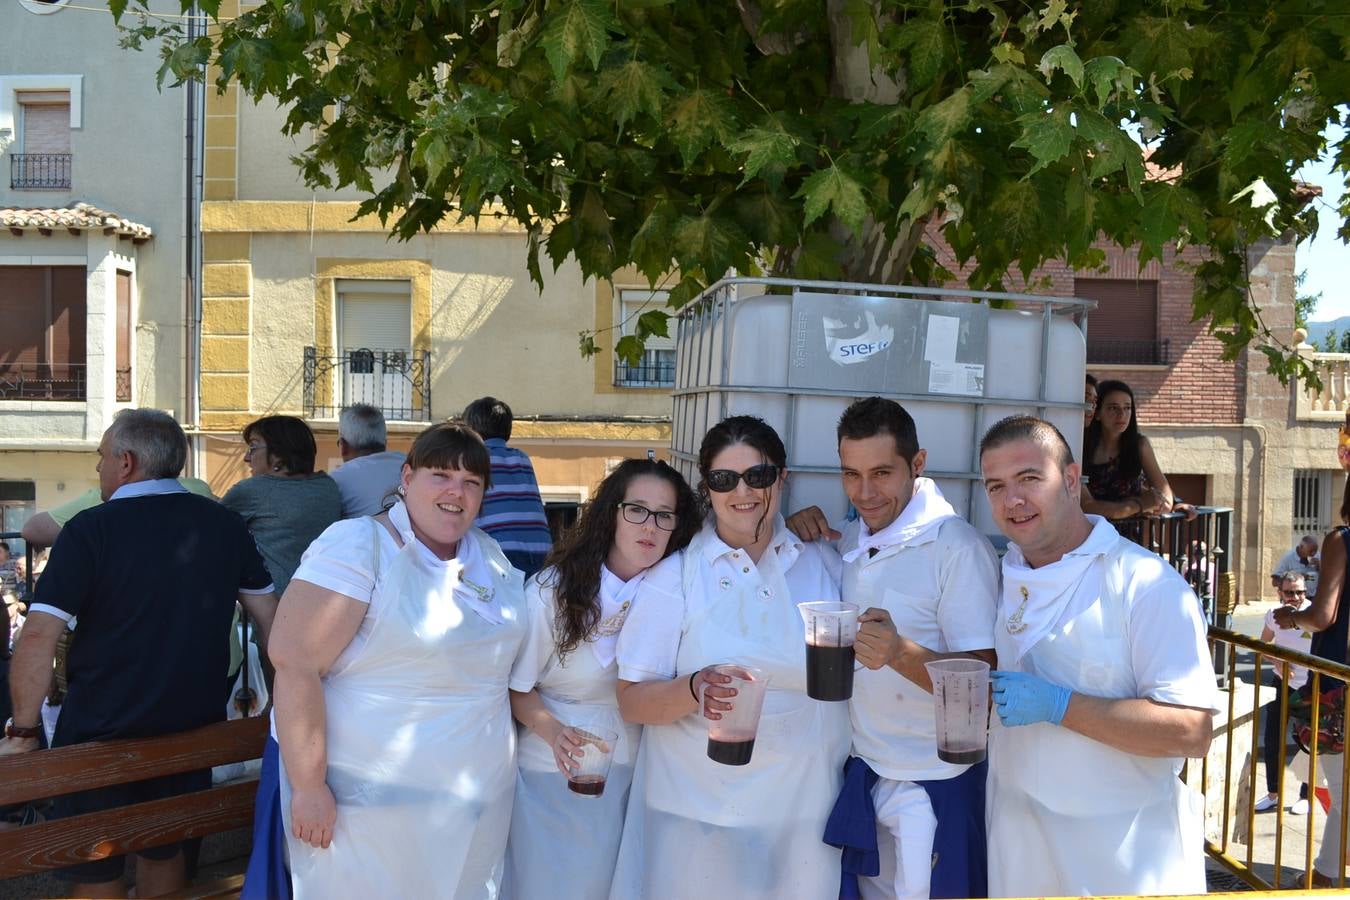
<point>704,135</point>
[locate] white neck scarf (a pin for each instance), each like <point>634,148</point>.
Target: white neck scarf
<point>475,584</point>
<point>616,602</point>
<point>1035,601</point>
<point>924,512</point>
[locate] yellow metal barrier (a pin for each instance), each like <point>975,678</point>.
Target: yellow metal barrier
<point>1244,865</point>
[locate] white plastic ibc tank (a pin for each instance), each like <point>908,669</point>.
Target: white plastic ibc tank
<point>1014,361</point>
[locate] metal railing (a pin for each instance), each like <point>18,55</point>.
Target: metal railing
<point>39,171</point>
<point>40,381</point>
<point>1128,353</point>
<point>1260,861</point>
<point>396,382</point>
<point>656,369</point>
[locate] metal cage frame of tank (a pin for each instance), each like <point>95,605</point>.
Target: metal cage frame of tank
<point>716,302</point>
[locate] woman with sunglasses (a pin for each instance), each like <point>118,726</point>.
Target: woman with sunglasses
<point>562,685</point>
<point>697,828</point>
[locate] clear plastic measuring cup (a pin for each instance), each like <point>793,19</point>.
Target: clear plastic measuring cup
<point>831,629</point>
<point>961,705</point>
<point>731,739</point>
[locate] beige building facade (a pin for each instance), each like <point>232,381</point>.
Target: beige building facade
<point>306,308</point>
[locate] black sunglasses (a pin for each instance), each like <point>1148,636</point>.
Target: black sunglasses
<point>724,480</point>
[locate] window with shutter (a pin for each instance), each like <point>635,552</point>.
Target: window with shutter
<point>43,162</point>
<point>42,332</point>
<point>123,373</point>
<point>1123,329</point>
<point>656,368</point>
<point>375,339</point>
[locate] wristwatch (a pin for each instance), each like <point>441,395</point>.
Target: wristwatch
<point>14,731</point>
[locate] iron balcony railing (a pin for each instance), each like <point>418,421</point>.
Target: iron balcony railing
<point>39,171</point>
<point>396,382</point>
<point>655,369</point>
<point>42,381</point>
<point>1128,353</point>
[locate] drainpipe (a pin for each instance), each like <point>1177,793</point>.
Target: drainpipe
<point>192,258</point>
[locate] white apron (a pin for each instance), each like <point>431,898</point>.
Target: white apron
<point>1068,815</point>
<point>564,845</point>
<point>698,829</point>
<point>421,748</point>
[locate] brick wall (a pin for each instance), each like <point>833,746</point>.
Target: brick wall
<point>1198,387</point>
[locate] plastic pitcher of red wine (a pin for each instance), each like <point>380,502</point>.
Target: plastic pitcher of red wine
<point>731,739</point>
<point>961,705</point>
<point>588,780</point>
<point>831,629</point>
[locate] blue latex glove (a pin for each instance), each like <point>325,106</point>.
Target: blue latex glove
<point>1023,699</point>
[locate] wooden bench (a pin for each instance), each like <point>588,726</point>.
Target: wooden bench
<point>91,836</point>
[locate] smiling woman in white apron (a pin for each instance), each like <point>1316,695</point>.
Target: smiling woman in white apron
<point>697,828</point>
<point>563,844</point>
<point>393,648</point>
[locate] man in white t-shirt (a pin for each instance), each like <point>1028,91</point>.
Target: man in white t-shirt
<point>928,584</point>
<point>1293,595</point>
<point>1105,686</point>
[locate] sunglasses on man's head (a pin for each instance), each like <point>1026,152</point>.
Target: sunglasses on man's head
<point>724,480</point>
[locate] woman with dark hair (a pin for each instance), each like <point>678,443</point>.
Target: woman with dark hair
<point>697,828</point>
<point>562,685</point>
<point>1123,476</point>
<point>284,501</point>
<point>1328,618</point>
<point>393,646</point>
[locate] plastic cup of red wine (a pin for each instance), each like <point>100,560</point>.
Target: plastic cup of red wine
<point>588,779</point>
<point>731,739</point>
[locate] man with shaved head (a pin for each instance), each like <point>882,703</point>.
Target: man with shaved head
<point>1104,687</point>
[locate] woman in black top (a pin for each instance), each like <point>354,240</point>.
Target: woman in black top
<point>1328,617</point>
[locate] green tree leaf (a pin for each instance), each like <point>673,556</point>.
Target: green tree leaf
<point>633,88</point>
<point>924,41</point>
<point>835,190</point>
<point>576,28</point>
<point>768,151</point>
<point>1046,136</point>
<point>697,121</point>
<point>1066,60</point>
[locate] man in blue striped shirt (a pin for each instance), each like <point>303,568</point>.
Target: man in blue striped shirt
<point>512,512</point>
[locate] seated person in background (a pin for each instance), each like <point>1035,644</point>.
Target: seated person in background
<point>1123,476</point>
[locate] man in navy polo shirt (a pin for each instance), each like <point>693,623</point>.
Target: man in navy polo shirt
<point>152,576</point>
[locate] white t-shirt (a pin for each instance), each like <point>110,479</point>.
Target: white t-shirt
<point>1291,639</point>
<point>649,644</point>
<point>365,481</point>
<point>942,593</point>
<point>1169,659</point>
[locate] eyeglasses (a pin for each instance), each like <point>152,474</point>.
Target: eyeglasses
<point>1294,593</point>
<point>637,514</point>
<point>254,448</point>
<point>724,480</point>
